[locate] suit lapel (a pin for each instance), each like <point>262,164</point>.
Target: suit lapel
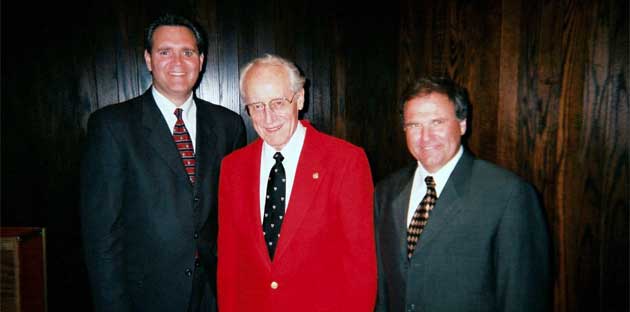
<point>159,136</point>
<point>205,153</point>
<point>206,142</point>
<point>400,205</point>
<point>450,202</point>
<point>310,171</point>
<point>250,182</point>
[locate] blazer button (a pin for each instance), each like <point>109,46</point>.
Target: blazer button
<point>196,235</point>
<point>274,285</point>
<point>196,199</point>
<point>188,272</point>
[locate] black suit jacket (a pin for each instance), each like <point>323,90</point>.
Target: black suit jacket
<point>142,219</point>
<point>484,248</point>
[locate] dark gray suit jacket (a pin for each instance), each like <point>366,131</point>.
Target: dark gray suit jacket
<point>142,219</point>
<point>484,248</point>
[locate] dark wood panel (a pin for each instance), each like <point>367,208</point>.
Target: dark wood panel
<point>602,160</point>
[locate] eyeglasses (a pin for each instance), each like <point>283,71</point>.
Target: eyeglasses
<point>279,105</point>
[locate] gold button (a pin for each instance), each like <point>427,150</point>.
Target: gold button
<point>274,285</point>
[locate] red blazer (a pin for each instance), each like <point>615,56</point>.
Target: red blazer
<point>325,258</point>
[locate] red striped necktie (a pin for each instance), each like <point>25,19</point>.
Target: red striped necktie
<point>184,145</point>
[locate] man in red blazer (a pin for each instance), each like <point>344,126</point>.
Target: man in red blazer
<point>315,253</point>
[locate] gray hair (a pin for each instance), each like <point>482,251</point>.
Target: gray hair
<point>296,79</point>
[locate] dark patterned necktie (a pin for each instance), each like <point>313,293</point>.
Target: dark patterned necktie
<point>421,216</point>
<point>274,204</point>
<point>184,145</point>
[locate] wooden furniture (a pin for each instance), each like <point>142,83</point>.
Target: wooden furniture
<point>23,269</point>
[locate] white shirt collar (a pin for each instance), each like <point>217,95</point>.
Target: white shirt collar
<point>189,113</point>
<point>441,176</point>
<point>168,108</point>
<point>419,187</point>
<point>291,153</point>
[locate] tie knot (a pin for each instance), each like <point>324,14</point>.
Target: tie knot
<point>178,113</point>
<point>429,181</point>
<point>278,157</point>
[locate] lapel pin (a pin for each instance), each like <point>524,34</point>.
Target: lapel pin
<point>316,175</point>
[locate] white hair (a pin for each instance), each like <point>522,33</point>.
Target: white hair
<point>296,80</point>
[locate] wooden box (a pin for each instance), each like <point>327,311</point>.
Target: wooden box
<point>23,269</point>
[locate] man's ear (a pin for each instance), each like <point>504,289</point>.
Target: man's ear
<point>300,99</point>
<point>462,126</point>
<point>147,59</point>
<point>201,57</point>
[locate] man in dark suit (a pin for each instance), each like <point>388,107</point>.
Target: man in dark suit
<point>149,184</point>
<point>456,233</point>
<point>295,208</point>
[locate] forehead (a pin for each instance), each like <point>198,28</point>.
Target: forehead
<point>433,103</point>
<point>266,80</point>
<point>169,34</point>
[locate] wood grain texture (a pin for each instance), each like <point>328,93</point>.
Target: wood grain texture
<point>548,81</point>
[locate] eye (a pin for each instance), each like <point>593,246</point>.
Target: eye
<point>412,126</point>
<point>164,52</point>
<point>258,106</point>
<point>277,103</point>
<point>437,122</point>
<point>189,53</point>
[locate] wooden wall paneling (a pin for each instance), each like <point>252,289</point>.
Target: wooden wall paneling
<point>295,31</point>
<point>473,60</point>
<point>438,36</point>
<point>318,51</point>
<point>615,249</point>
<point>508,100</point>
<point>338,103</point>
<point>105,59</point>
<point>540,85</point>
<point>573,43</point>
<point>286,23</point>
<point>410,52</point>
<point>128,36</point>
<point>545,67</point>
<point>228,44</point>
<point>602,166</point>
<point>370,51</point>
<point>209,87</point>
<point>249,18</point>
<point>20,101</point>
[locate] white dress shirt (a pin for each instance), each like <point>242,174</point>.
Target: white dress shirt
<point>291,154</point>
<point>189,113</point>
<point>419,187</point>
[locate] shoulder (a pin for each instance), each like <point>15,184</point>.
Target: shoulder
<point>487,170</point>
<point>329,144</point>
<point>394,179</point>
<point>244,153</point>
<point>490,177</point>
<point>117,112</point>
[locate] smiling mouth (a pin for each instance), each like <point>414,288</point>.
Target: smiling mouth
<point>429,148</point>
<point>272,129</point>
<point>177,74</point>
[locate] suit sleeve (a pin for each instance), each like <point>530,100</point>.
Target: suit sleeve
<point>356,208</point>
<point>102,181</point>
<point>522,257</point>
<point>227,253</point>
